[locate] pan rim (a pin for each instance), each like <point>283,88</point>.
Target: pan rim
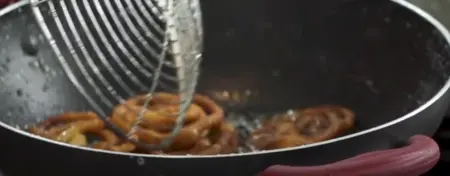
<point>404,3</point>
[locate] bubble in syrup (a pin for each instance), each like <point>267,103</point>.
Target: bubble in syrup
<point>29,44</point>
<point>19,92</point>
<point>140,161</point>
<point>38,65</point>
<point>45,88</point>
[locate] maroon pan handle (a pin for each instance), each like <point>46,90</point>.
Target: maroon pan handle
<point>4,3</point>
<point>415,159</point>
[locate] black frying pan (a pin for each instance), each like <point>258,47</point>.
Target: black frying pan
<point>389,62</point>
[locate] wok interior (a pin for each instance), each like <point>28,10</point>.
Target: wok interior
<point>376,58</point>
<point>379,59</point>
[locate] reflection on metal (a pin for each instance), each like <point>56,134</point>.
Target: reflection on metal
<point>236,96</point>
<point>439,9</point>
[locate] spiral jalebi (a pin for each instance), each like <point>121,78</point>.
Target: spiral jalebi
<point>204,132</point>
<point>304,126</point>
<point>203,118</point>
<point>75,127</point>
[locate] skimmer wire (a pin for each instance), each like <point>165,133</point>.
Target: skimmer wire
<point>123,47</point>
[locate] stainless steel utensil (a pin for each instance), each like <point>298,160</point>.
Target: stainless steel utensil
<point>141,39</point>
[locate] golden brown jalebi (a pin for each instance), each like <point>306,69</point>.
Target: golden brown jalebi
<point>72,128</point>
<point>220,140</point>
<point>159,119</point>
<point>305,126</point>
<point>204,131</point>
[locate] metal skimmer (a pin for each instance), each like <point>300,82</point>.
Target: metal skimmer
<point>114,49</point>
